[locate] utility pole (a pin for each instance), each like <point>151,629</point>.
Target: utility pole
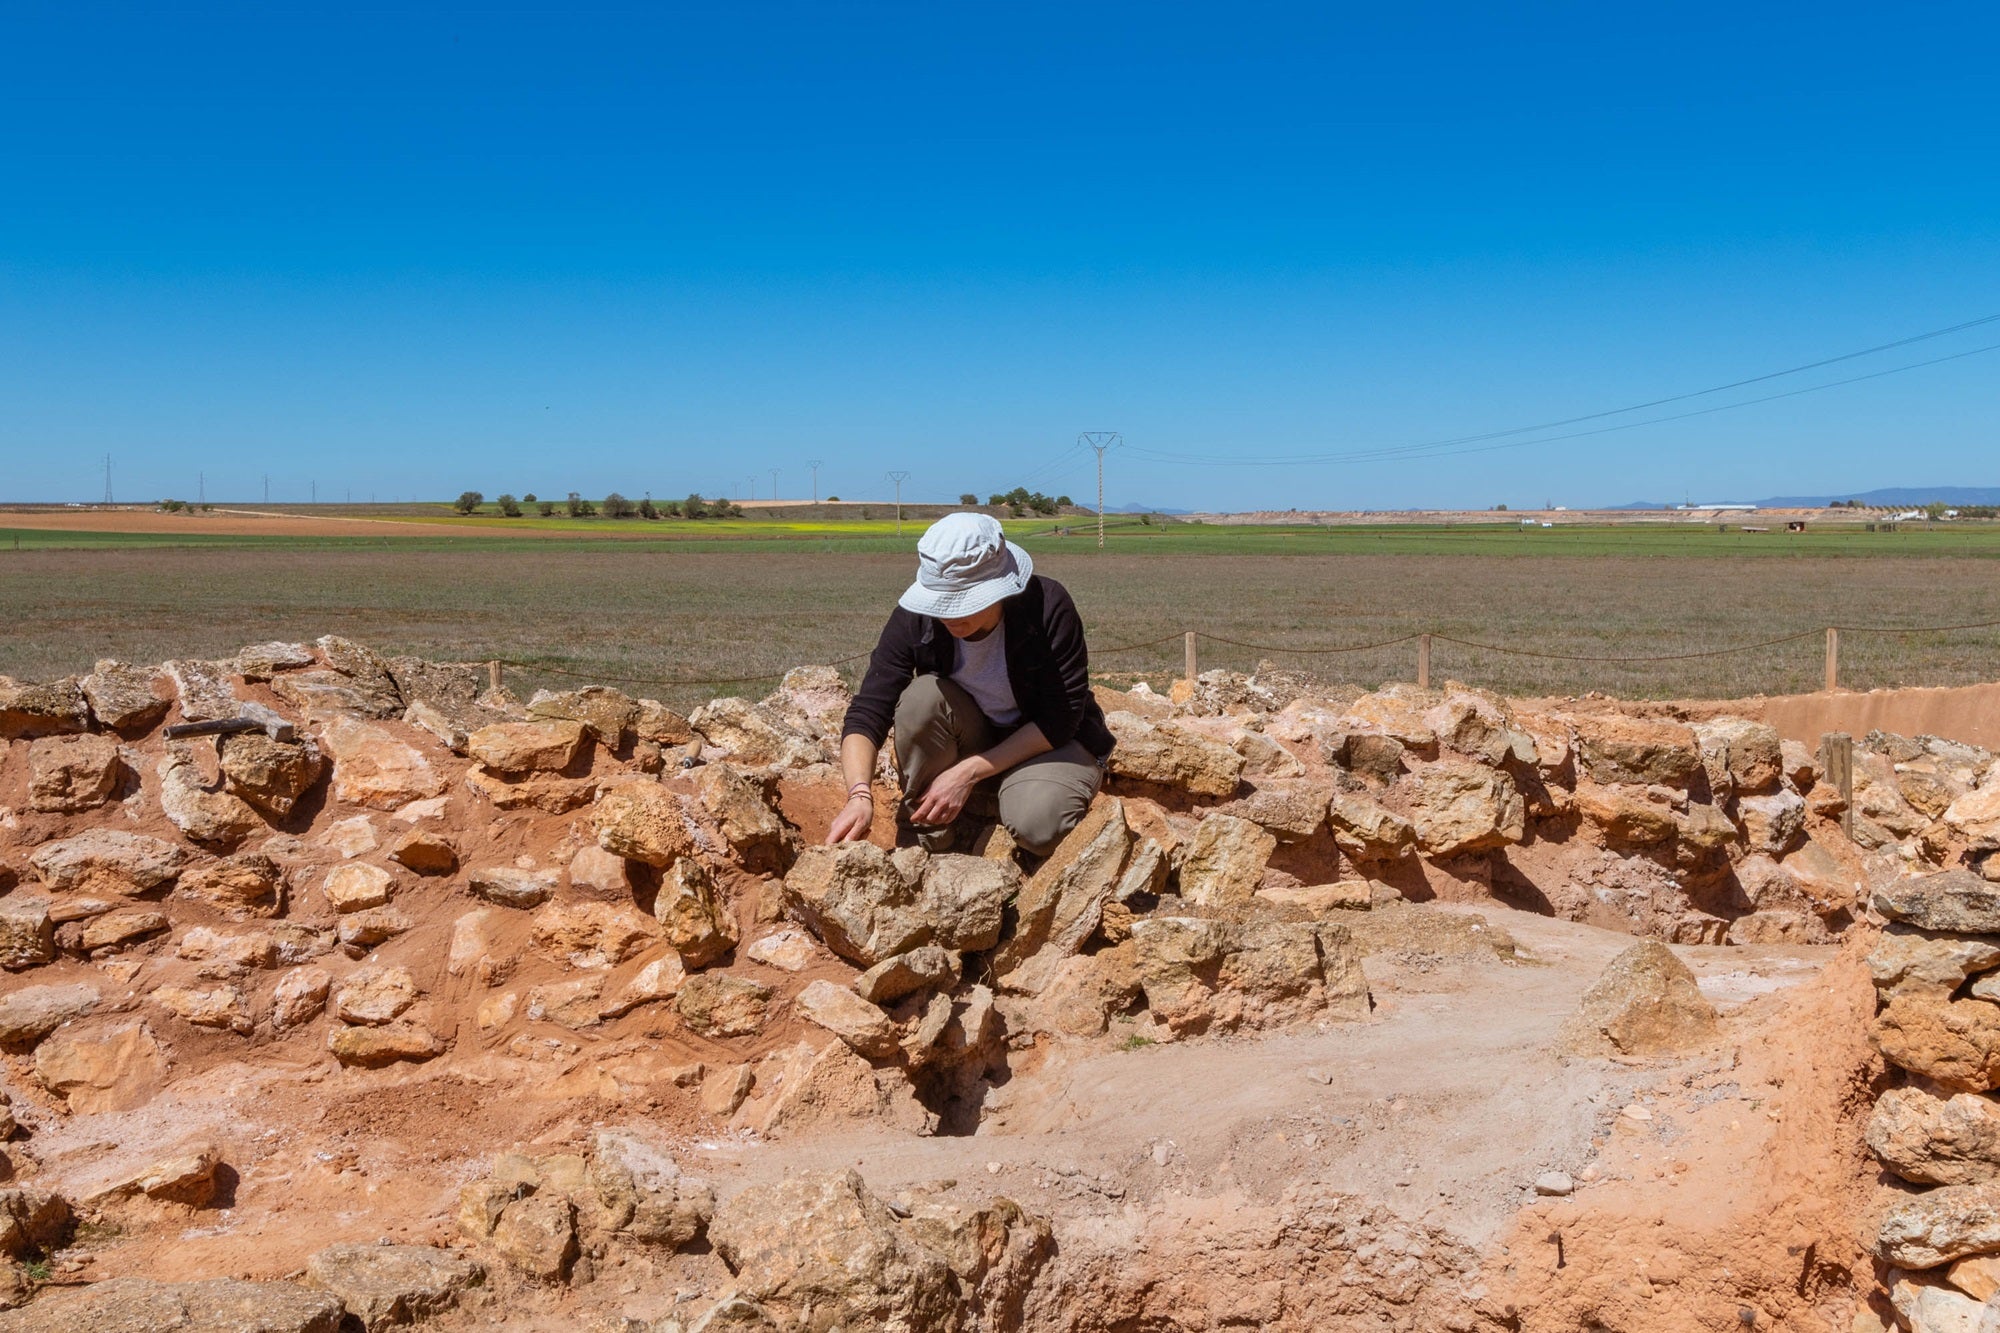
<point>1100,440</point>
<point>774,483</point>
<point>753,485</point>
<point>814,465</point>
<point>899,478</point>
<point>315,492</point>
<point>201,488</point>
<point>267,488</point>
<point>107,479</point>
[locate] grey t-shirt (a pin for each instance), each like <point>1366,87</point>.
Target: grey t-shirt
<point>980,669</point>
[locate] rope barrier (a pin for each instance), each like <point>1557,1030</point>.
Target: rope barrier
<point>1662,657</point>
<point>662,680</point>
<point>1284,648</point>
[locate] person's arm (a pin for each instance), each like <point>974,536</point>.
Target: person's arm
<point>946,796</point>
<point>857,770</point>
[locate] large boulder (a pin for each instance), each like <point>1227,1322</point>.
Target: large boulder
<point>1932,1140</point>
<point>262,661</point>
<point>607,713</point>
<point>114,1069</point>
<point>375,768</point>
<point>643,821</point>
<point>693,913</point>
<point>1626,816</point>
<point>1458,807</point>
<point>1222,864</point>
<point>387,1285</point>
<point>203,815</point>
<point>27,935</point>
<point>1773,823</point>
<point>1953,900</point>
<point>755,737</point>
<point>964,898</point>
<point>1637,750</point>
<point>719,1004</point>
<point>820,1251</point>
<point>218,1305</point>
<point>1062,905</point>
<point>54,709</point>
<point>1739,755</point>
<point>1645,1003</point>
<point>1201,974</point>
<point>239,887</point>
<point>1910,958</point>
<point>753,830</point>
<point>1172,756</point>
<point>123,697</point>
<point>1366,831</point>
<point>856,900</point>
<point>1953,1042</point>
<point>1933,1228</point>
<point>108,861</point>
<point>271,775</point>
<point>32,1012</point>
<point>527,747</point>
<point>1976,815</point>
<point>71,773</point>
<point>863,1026</point>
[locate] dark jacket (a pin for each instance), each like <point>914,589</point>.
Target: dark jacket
<point>1048,665</point>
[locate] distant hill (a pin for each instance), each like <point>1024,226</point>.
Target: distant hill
<point>1142,509</point>
<point>1893,497</point>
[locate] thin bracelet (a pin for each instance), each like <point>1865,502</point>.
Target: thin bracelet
<point>863,790</point>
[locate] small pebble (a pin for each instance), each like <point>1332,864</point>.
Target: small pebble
<point>1636,1112</point>
<point>1554,1184</point>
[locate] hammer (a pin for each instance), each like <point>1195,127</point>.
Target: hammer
<point>249,717</point>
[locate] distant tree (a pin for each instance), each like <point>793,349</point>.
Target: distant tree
<point>694,506</point>
<point>646,508</point>
<point>833,499</point>
<point>726,509</point>
<point>589,510</point>
<point>575,505</point>
<point>546,508</point>
<point>1500,509</point>
<point>968,499</point>
<point>173,506</point>
<point>617,506</point>
<point>1063,501</point>
<point>996,499</point>
<point>468,501</point>
<point>528,499</point>
<point>509,506</point>
<point>1934,510</point>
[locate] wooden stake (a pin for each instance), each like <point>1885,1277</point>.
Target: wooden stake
<point>1423,661</point>
<point>493,677</point>
<point>1836,756</point>
<point>1190,657</point>
<point>1832,659</point>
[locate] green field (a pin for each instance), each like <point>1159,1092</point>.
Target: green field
<point>679,604</point>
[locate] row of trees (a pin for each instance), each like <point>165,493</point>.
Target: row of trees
<point>613,505</point>
<point>1022,501</point>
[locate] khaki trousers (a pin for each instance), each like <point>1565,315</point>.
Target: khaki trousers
<point>1039,800</point>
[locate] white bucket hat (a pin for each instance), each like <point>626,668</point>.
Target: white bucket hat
<point>965,564</point>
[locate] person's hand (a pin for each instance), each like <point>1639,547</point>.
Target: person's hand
<point>945,797</point>
<point>853,821</point>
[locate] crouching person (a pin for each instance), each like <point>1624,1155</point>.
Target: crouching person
<point>984,676</point>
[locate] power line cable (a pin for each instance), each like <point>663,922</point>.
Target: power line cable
<point>1420,448</point>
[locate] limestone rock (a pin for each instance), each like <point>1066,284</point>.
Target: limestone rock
<point>218,1305</point>
<point>32,1012</point>
<point>387,1285</point>
<point>1933,1228</point>
<point>718,1004</point>
<point>377,925</point>
<point>853,897</point>
<point>660,979</point>
<point>122,926</point>
<point>574,1004</point>
<point>1200,974</point>
<point>607,713</point>
<point>642,821</point>
<point>1977,1276</point>
<point>807,1088</point>
<point>1062,905</point>
<point>299,997</point>
<point>786,950</point>
<point>203,691</point>
<point>1396,713</point>
<point>537,1235</point>
<point>372,767</point>
<point>644,1193</point>
<point>527,747</point>
<point>1224,861</point>
<point>1641,751</point>
<point>1911,958</point>
<point>863,1026</point>
<point>1740,755</point>
<point>109,1069</point>
<point>425,851</point>
<point>1265,758</point>
<point>1480,726</point>
<point>963,897</point>
<point>696,919</point>
<point>749,825</point>
<point>122,697</point>
<point>532,791</point>
<point>240,887</point>
<point>27,936</point>
<point>1704,828</point>
<point>654,721</point>
<point>374,1047</point>
<point>53,709</point>
<point>1976,814</point>
<point>591,935</point>
<point>922,968</point>
<point>261,661</point>
<point>1645,1003</point>
<point>510,886</point>
<point>1929,1306</point>
<point>322,696</point>
<point>203,815</point>
<point>1458,807</point>
<point>1366,831</point>
<point>108,861</point>
<point>1954,900</point>
<point>271,775</point>
<point>71,773</point>
<point>1772,823</point>
<point>596,874</point>
<point>206,1007</point>
<point>754,736</point>
<point>373,995</point>
<point>724,1090</point>
<point>1626,817</point>
<point>1172,756</point>
<point>1931,1140</point>
<point>1954,1042</point>
<point>356,887</point>
<point>1289,811</point>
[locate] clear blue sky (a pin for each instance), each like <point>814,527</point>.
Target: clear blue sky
<point>665,248</point>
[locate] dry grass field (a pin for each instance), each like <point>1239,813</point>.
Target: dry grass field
<point>659,612</point>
